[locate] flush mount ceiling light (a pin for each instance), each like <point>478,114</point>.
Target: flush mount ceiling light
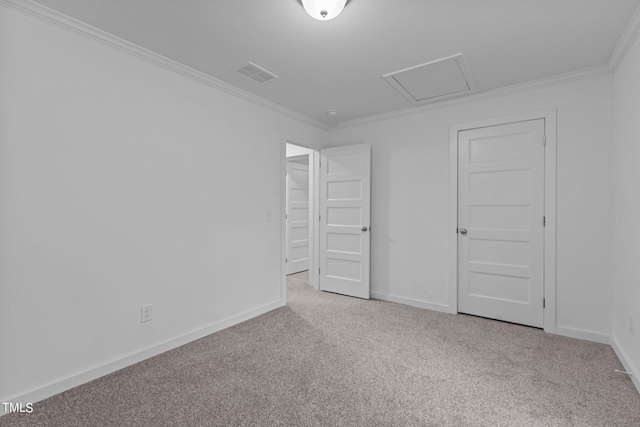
<point>323,10</point>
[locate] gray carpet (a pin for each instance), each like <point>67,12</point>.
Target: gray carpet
<point>330,360</point>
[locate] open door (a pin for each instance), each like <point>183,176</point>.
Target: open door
<point>297,217</point>
<point>345,198</point>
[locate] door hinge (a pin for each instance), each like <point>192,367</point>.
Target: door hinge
<point>544,140</point>
<point>318,271</point>
<point>286,260</point>
<point>320,217</point>
<point>286,216</point>
<point>544,221</point>
<point>544,302</point>
<point>457,230</point>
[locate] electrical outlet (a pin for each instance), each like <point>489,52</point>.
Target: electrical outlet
<point>269,216</point>
<point>631,325</point>
<point>146,313</point>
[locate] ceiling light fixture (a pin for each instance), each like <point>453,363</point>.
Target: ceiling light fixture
<point>323,10</point>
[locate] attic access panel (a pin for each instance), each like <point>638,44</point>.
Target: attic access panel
<point>434,81</point>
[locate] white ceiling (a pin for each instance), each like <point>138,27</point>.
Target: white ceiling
<point>340,63</point>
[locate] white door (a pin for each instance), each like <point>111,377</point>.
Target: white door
<point>345,197</point>
<point>500,222</point>
<point>297,217</point>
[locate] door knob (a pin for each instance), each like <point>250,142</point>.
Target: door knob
<point>463,231</point>
<point>364,228</point>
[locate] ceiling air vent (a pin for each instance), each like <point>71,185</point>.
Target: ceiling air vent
<point>434,81</point>
<point>256,73</point>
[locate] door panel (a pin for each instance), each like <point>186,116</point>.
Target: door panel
<point>345,183</point>
<point>500,216</point>
<point>297,217</point>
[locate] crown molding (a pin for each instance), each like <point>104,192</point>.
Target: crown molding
<point>77,27</point>
<point>36,10</point>
<point>624,44</point>
<point>585,73</point>
<point>625,41</point>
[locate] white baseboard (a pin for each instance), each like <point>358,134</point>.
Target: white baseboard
<point>77,379</point>
<point>626,362</point>
<point>583,334</point>
<point>412,302</point>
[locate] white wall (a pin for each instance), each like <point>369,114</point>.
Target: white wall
<point>122,184</point>
<point>626,199</point>
<point>410,161</point>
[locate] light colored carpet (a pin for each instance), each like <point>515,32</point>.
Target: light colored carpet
<point>329,360</point>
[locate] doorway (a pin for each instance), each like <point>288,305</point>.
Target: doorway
<point>300,195</point>
<point>338,210</point>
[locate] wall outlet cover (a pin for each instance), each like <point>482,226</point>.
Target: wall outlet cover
<point>146,313</point>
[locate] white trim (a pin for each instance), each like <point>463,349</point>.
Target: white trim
<point>283,221</point>
<point>75,26</point>
<point>583,334</point>
<point>625,41</point>
<point>77,379</point>
<point>550,236</point>
<point>453,220</point>
<point>72,25</point>
<point>314,186</point>
<point>549,117</point>
<point>626,362</point>
<point>585,73</point>
<point>412,302</point>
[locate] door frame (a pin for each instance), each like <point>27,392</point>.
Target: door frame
<point>314,226</point>
<point>549,286</point>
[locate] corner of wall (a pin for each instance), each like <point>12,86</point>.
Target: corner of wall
<point>626,64</point>
<point>629,367</point>
<point>626,41</point>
